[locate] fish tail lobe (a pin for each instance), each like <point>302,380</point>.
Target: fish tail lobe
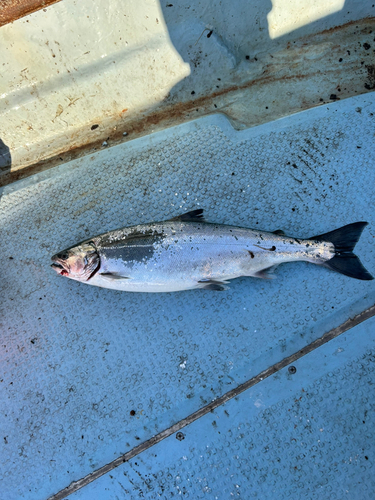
<point>345,261</point>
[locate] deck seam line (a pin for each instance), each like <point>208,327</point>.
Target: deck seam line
<point>328,336</point>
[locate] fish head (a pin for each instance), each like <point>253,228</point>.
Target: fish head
<point>78,263</point>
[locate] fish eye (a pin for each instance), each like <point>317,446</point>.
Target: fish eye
<point>63,255</point>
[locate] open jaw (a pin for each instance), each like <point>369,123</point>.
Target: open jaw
<point>59,268</point>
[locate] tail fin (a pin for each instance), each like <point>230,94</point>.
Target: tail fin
<point>345,262</point>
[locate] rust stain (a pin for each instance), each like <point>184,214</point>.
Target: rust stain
<point>73,100</point>
<point>59,110</point>
<point>118,129</point>
<point>340,27</point>
<point>11,10</point>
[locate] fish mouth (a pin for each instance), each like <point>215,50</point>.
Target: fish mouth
<point>58,267</point>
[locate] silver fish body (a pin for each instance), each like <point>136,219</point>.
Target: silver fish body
<point>187,253</point>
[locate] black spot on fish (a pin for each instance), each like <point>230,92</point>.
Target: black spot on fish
<point>150,233</point>
<point>272,249</point>
<point>251,254</point>
<point>298,241</point>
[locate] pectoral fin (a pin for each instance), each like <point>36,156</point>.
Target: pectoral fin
<point>218,286</point>
<point>114,276</point>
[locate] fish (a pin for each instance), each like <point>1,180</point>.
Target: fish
<point>186,253</point>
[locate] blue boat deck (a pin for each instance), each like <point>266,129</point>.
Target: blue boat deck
<point>93,378</point>
<point>306,433</point>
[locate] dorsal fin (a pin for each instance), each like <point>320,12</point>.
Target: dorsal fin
<point>192,216</point>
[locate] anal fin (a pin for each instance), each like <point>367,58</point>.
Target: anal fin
<point>266,274</point>
<point>211,284</point>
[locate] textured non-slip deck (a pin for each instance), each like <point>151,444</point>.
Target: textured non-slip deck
<point>303,434</point>
<point>87,373</point>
